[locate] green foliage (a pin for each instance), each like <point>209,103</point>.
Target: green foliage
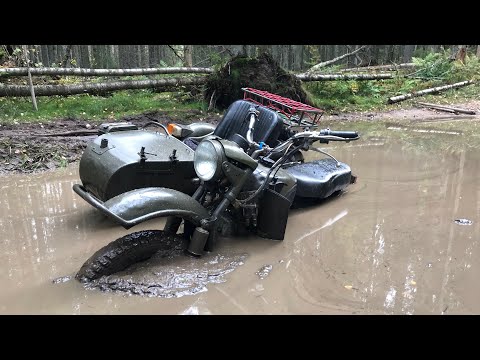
<point>217,60</point>
<point>433,65</point>
<point>363,95</point>
<point>470,70</point>
<point>408,85</point>
<point>440,66</point>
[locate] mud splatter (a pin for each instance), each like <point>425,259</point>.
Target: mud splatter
<point>62,279</point>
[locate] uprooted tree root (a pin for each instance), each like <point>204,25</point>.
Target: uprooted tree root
<point>225,86</point>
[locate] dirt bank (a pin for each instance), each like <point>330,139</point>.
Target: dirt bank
<point>399,112</point>
<point>36,147</point>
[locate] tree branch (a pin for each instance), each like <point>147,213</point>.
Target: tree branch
<point>175,52</point>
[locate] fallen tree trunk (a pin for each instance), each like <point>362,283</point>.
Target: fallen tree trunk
<point>450,109</point>
<point>333,77</point>
<point>391,67</point>
<point>23,71</point>
<point>334,60</point>
<point>395,99</point>
<point>48,90</point>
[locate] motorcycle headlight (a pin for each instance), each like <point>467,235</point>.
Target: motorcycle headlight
<point>208,159</point>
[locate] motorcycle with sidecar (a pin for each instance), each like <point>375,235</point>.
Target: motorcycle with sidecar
<point>239,177</point>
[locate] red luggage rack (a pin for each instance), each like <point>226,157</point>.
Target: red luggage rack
<point>293,111</point>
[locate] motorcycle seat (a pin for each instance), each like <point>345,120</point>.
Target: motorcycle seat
<point>320,178</point>
<point>236,120</point>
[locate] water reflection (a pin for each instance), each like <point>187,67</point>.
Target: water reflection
<point>33,214</point>
<point>398,223</point>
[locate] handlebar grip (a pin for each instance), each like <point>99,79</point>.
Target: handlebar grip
<point>344,134</point>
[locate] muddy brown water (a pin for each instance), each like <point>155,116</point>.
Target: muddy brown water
<point>388,245</point>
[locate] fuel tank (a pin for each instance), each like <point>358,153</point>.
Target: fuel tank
<point>120,161</point>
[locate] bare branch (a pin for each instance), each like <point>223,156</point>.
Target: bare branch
<point>175,52</point>
<point>334,60</point>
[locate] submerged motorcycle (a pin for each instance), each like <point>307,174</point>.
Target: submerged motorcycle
<point>237,178</point>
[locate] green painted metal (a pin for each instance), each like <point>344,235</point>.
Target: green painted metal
<point>233,151</point>
<point>200,129</point>
<point>137,206</point>
<point>113,163</point>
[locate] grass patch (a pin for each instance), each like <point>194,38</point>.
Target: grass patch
<point>346,96</point>
<point>93,107</point>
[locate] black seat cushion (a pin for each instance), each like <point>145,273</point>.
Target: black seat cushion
<point>320,178</point>
<point>236,120</point>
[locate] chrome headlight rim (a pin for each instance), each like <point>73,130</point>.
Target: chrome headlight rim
<point>207,160</point>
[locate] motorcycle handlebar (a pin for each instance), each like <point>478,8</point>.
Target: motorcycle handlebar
<point>343,134</point>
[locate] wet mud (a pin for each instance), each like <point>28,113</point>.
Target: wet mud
<point>402,240</point>
<point>170,273</point>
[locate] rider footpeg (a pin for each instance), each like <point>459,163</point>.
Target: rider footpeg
<point>198,241</point>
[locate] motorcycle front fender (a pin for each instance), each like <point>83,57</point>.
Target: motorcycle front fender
<point>136,206</point>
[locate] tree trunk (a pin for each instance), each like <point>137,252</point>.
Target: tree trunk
<point>461,53</point>
<point>478,51</point>
<point>102,72</point>
<point>84,58</point>
<point>334,77</point>
<point>83,88</point>
<point>449,109</point>
<point>145,56</point>
<point>32,91</point>
<point>153,60</point>
<point>187,55</point>
<point>68,55</point>
<point>407,53</point>
<point>399,98</point>
<point>91,56</point>
<point>392,67</point>
<point>30,82</point>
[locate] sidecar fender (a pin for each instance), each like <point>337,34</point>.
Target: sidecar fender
<point>136,206</point>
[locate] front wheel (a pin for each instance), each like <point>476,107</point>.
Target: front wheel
<point>123,252</point>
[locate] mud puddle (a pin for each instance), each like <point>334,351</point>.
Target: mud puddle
<point>389,245</point>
